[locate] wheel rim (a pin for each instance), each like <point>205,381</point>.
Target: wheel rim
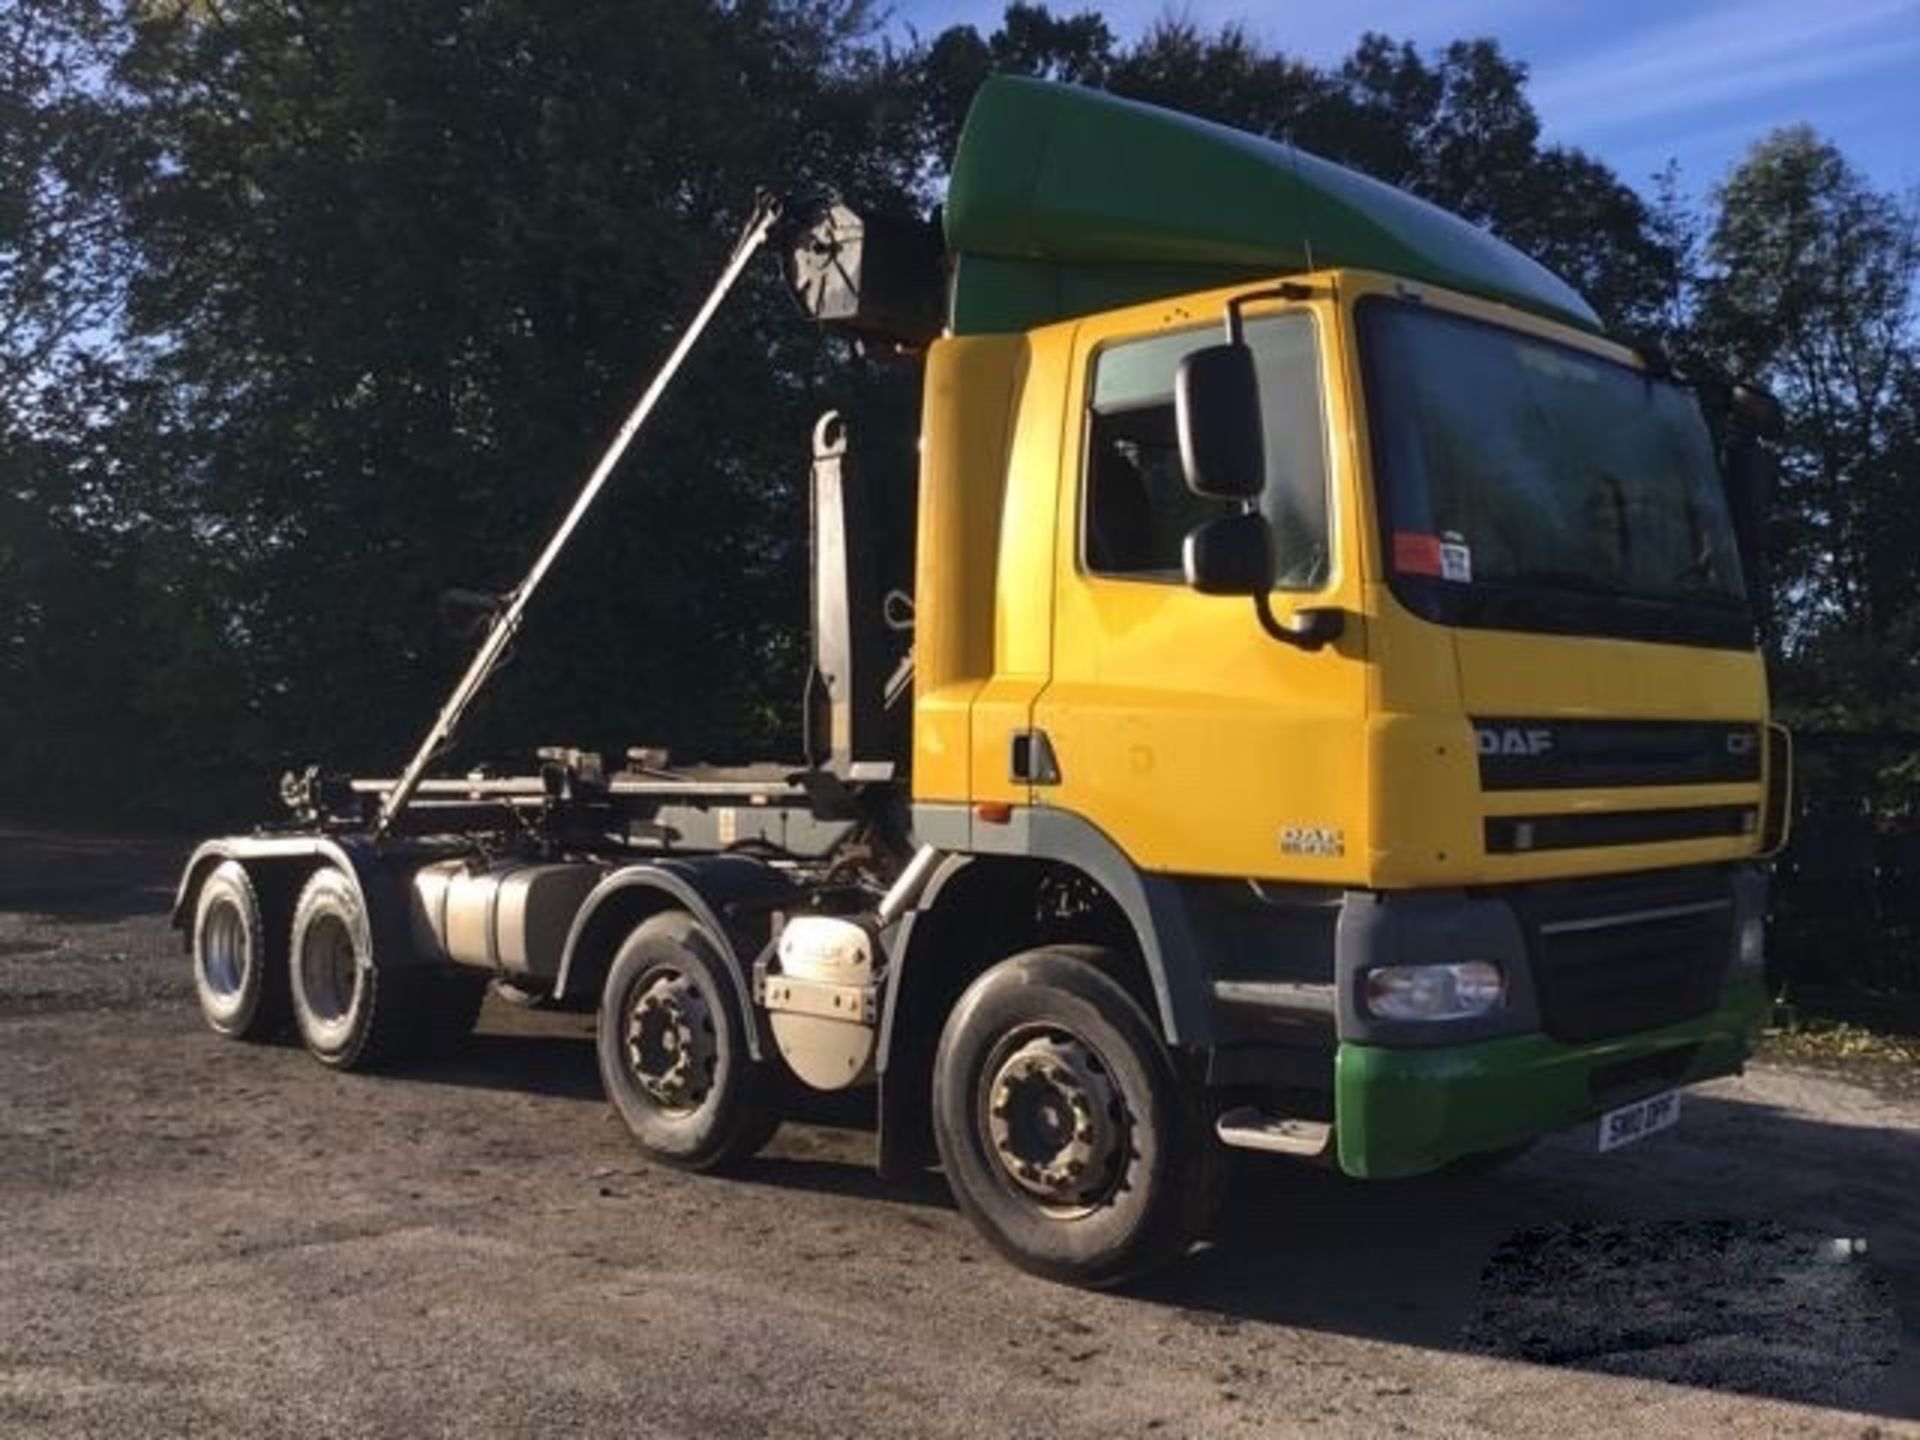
<point>329,973</point>
<point>225,954</point>
<point>1056,1122</point>
<point>671,1045</point>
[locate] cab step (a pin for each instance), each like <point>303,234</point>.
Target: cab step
<point>1248,1128</point>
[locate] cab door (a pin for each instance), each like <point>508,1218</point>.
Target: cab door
<point>1173,722</point>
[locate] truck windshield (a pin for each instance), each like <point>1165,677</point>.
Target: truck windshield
<point>1528,485</point>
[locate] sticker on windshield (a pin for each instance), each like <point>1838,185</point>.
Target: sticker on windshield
<point>1416,554</point>
<point>1456,560</point>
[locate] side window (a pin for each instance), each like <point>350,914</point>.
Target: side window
<point>1138,509</point>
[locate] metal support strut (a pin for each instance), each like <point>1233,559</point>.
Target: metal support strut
<point>765,216</point>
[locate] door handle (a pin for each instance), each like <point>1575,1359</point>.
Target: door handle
<point>1033,761</point>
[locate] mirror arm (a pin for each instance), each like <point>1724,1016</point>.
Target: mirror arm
<point>1311,629</point>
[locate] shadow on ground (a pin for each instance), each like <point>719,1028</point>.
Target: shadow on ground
<point>1693,1259</point>
<point>1630,1264</point>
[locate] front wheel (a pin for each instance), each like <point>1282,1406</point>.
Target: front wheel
<point>1064,1130</point>
<point>672,1043</point>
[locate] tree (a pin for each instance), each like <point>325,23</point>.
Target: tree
<point>76,501</point>
<point>1456,129</point>
<point>1809,283</point>
<point>942,74</point>
<point>309,312</point>
<point>1460,131</point>
<point>412,262</point>
<point>61,257</point>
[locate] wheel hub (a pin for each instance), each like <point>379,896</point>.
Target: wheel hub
<point>328,971</point>
<point>1055,1120</point>
<point>670,1042</point>
<point>223,951</point>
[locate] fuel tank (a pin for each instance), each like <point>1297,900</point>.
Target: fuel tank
<point>509,919</point>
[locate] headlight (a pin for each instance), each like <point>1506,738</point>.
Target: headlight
<point>1434,992</point>
<point>1753,943</point>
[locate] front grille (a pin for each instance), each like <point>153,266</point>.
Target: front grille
<point>1616,957</point>
<point>1540,754</point>
<point>1519,834</point>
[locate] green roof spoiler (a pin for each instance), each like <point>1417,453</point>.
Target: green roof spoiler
<point>1064,201</point>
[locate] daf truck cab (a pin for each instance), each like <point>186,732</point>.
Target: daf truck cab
<point>1333,726</point>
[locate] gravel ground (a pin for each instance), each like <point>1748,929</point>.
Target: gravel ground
<point>201,1238</point>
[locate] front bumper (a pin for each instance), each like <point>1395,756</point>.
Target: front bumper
<point>1405,1112</point>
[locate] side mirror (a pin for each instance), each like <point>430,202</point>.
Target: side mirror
<point>1230,555</point>
<point>1233,555</point>
<point>1216,406</point>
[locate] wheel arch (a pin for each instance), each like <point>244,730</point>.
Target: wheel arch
<point>278,865</point>
<point>732,897</point>
<point>979,908</point>
<point>1155,907</point>
<point>1159,926</point>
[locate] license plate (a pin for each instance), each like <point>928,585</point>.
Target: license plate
<point>1639,1120</point>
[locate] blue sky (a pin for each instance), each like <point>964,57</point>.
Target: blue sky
<point>1633,81</point>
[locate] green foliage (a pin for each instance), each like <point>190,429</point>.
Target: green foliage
<point>413,262</point>
<point>1804,277</point>
<point>310,312</point>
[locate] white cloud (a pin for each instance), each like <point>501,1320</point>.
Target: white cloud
<point>1707,154</point>
<point>1723,54</point>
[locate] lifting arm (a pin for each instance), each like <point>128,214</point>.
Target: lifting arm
<point>765,216</point>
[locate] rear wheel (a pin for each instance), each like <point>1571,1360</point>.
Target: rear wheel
<point>352,1014</point>
<point>239,972</point>
<point>1064,1130</point>
<point>672,1042</point>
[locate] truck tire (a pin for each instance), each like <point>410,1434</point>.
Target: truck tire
<point>239,971</point>
<point>352,1014</point>
<point>672,1042</point>
<point>1065,1132</point>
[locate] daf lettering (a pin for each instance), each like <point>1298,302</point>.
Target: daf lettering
<point>1513,740</point>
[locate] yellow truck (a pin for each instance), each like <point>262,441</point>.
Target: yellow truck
<point>1326,720</point>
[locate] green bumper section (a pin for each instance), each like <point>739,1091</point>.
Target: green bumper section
<point>1406,1112</point>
